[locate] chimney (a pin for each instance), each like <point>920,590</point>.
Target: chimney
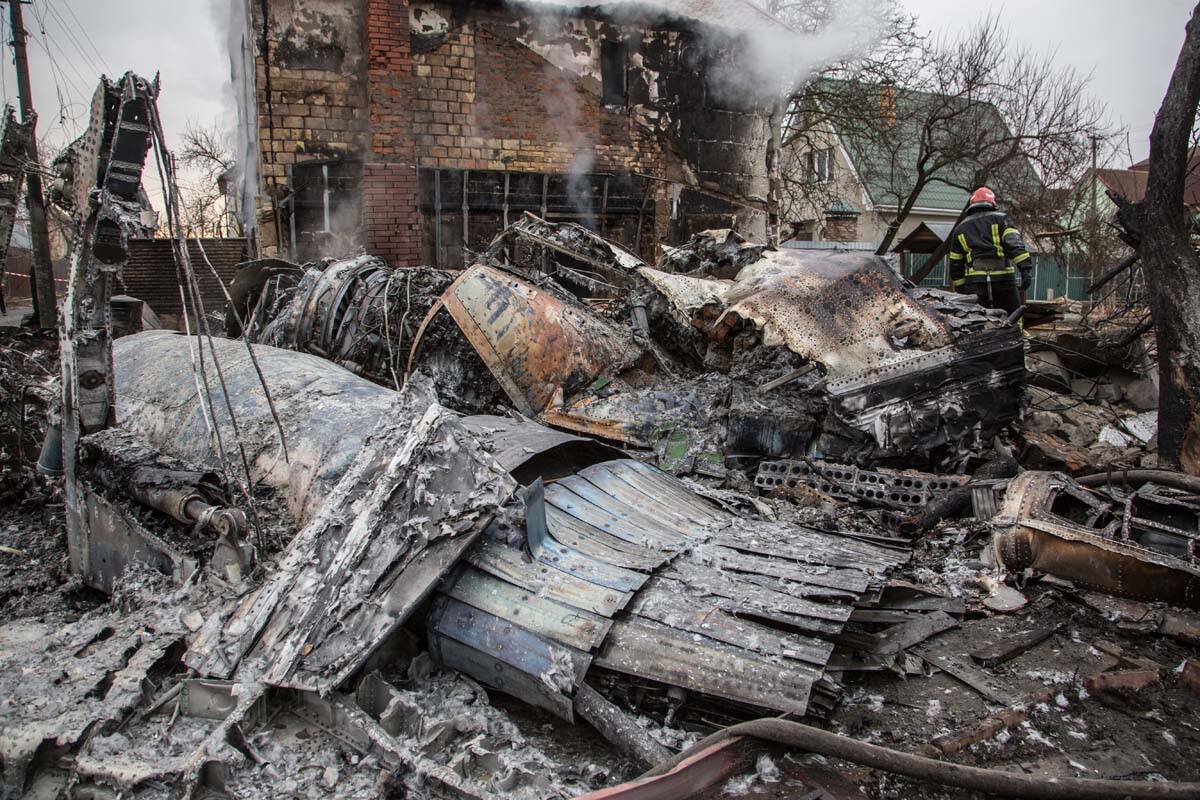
<point>887,102</point>
<point>841,222</point>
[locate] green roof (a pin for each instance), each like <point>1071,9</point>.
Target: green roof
<point>887,170</point>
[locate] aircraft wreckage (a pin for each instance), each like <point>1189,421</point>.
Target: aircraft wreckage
<point>482,469</point>
<point>752,353</point>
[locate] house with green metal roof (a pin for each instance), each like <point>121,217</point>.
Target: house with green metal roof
<point>852,164</point>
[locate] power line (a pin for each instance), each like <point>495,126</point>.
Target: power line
<point>44,44</point>
<point>71,38</point>
<point>83,31</point>
<point>41,18</point>
<point>60,78</point>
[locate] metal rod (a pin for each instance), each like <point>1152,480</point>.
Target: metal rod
<point>325,196</point>
<point>466,212</point>
<point>505,202</point>
<point>292,209</point>
<point>618,729</point>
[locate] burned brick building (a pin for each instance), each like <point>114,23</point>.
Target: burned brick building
<point>418,129</point>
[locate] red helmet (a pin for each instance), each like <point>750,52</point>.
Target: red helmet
<point>983,195</point>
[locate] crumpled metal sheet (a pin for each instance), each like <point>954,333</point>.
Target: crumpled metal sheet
<point>567,251</point>
<point>957,396</point>
<point>352,576</point>
<point>1144,545</point>
<point>528,450</point>
<point>539,346</point>
<point>847,311</point>
<point>58,682</point>
<point>687,293</point>
<point>617,551</point>
<point>716,253</point>
<point>628,569</point>
<point>157,401</point>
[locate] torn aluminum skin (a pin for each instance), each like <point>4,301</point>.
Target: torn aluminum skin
<point>614,564</point>
<point>904,371</point>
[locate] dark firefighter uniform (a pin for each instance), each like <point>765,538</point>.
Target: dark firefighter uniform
<point>985,255</point>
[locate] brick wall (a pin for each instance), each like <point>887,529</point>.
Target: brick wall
<point>521,112</point>
<point>841,228</point>
<point>390,221</point>
<point>311,92</point>
<point>391,227</point>
<point>475,87</point>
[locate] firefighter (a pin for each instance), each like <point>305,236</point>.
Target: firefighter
<point>986,252</point>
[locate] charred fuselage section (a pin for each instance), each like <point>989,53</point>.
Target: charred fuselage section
<point>753,353</point>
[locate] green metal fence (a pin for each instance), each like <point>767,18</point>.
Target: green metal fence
<point>1052,277</point>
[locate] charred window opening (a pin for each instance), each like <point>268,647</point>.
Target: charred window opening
<point>615,91</point>
<point>324,210</point>
<point>461,211</point>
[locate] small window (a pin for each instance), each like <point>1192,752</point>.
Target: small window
<point>820,165</point>
<point>612,73</point>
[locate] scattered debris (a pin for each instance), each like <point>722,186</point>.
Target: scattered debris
<point>532,527</point>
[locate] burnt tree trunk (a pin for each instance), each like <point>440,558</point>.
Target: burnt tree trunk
<point>1158,225</point>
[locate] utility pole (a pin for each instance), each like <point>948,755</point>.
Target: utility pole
<point>41,272</point>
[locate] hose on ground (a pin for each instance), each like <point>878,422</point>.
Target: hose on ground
<point>1136,477</point>
<point>989,781</point>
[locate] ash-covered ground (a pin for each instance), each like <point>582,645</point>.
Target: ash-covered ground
<point>1062,729</point>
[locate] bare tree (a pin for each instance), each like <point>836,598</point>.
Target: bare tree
<point>810,183</point>
<point>1159,227</point>
<point>965,111</point>
<point>207,160</point>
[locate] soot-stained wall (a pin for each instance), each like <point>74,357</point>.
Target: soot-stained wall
<point>402,87</point>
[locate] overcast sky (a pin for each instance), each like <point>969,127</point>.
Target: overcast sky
<point>1128,46</point>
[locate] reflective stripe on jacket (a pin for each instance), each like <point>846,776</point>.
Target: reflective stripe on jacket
<point>985,245</point>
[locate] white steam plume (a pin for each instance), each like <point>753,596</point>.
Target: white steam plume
<point>233,17</point>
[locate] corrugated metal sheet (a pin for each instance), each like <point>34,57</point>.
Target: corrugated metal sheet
<point>150,273</point>
<point>629,570</point>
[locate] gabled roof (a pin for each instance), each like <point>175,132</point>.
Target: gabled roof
<point>883,177</point>
<point>1130,184</point>
<point>925,238</point>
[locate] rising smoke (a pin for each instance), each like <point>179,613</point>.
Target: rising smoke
<point>233,17</point>
<point>776,61</point>
<point>762,64</point>
<point>566,117</point>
